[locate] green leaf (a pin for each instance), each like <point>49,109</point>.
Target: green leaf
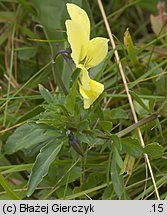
<point>117,157</point>
<point>107,194</point>
<point>98,109</point>
<point>152,104</point>
<point>92,180</point>
<point>73,175</point>
<point>118,113</point>
<point>140,101</point>
<point>33,112</point>
<point>45,94</point>
<point>117,179</point>
<point>159,128</point>
<point>8,190</point>
<point>84,124</point>
<point>163,109</point>
<point>25,53</point>
<point>88,138</point>
<point>132,146</point>
<point>26,136</point>
<point>42,163</point>
<point>116,141</point>
<point>71,98</point>
<point>52,15</point>
<point>154,150</point>
<point>106,125</point>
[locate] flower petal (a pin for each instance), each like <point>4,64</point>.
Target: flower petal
<point>84,79</point>
<point>78,31</point>
<point>78,15</point>
<point>75,38</point>
<point>89,96</point>
<point>97,51</point>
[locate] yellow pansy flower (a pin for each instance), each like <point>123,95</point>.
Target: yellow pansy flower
<point>86,53</point>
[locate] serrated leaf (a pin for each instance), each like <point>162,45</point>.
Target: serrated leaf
<point>45,94</point>
<point>154,150</point>
<point>42,163</point>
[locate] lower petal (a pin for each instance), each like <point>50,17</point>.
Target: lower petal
<point>84,78</point>
<point>89,96</point>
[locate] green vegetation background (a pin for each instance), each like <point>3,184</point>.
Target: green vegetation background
<point>36,160</point>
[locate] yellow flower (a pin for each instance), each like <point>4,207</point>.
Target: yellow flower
<point>86,53</point>
<point>89,89</point>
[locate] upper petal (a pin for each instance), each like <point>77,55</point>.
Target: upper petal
<point>97,51</point>
<point>76,39</point>
<point>78,15</point>
<point>78,31</point>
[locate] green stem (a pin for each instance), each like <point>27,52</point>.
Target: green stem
<point>58,78</point>
<point>64,53</point>
<point>138,124</point>
<point>133,126</point>
<point>157,97</point>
